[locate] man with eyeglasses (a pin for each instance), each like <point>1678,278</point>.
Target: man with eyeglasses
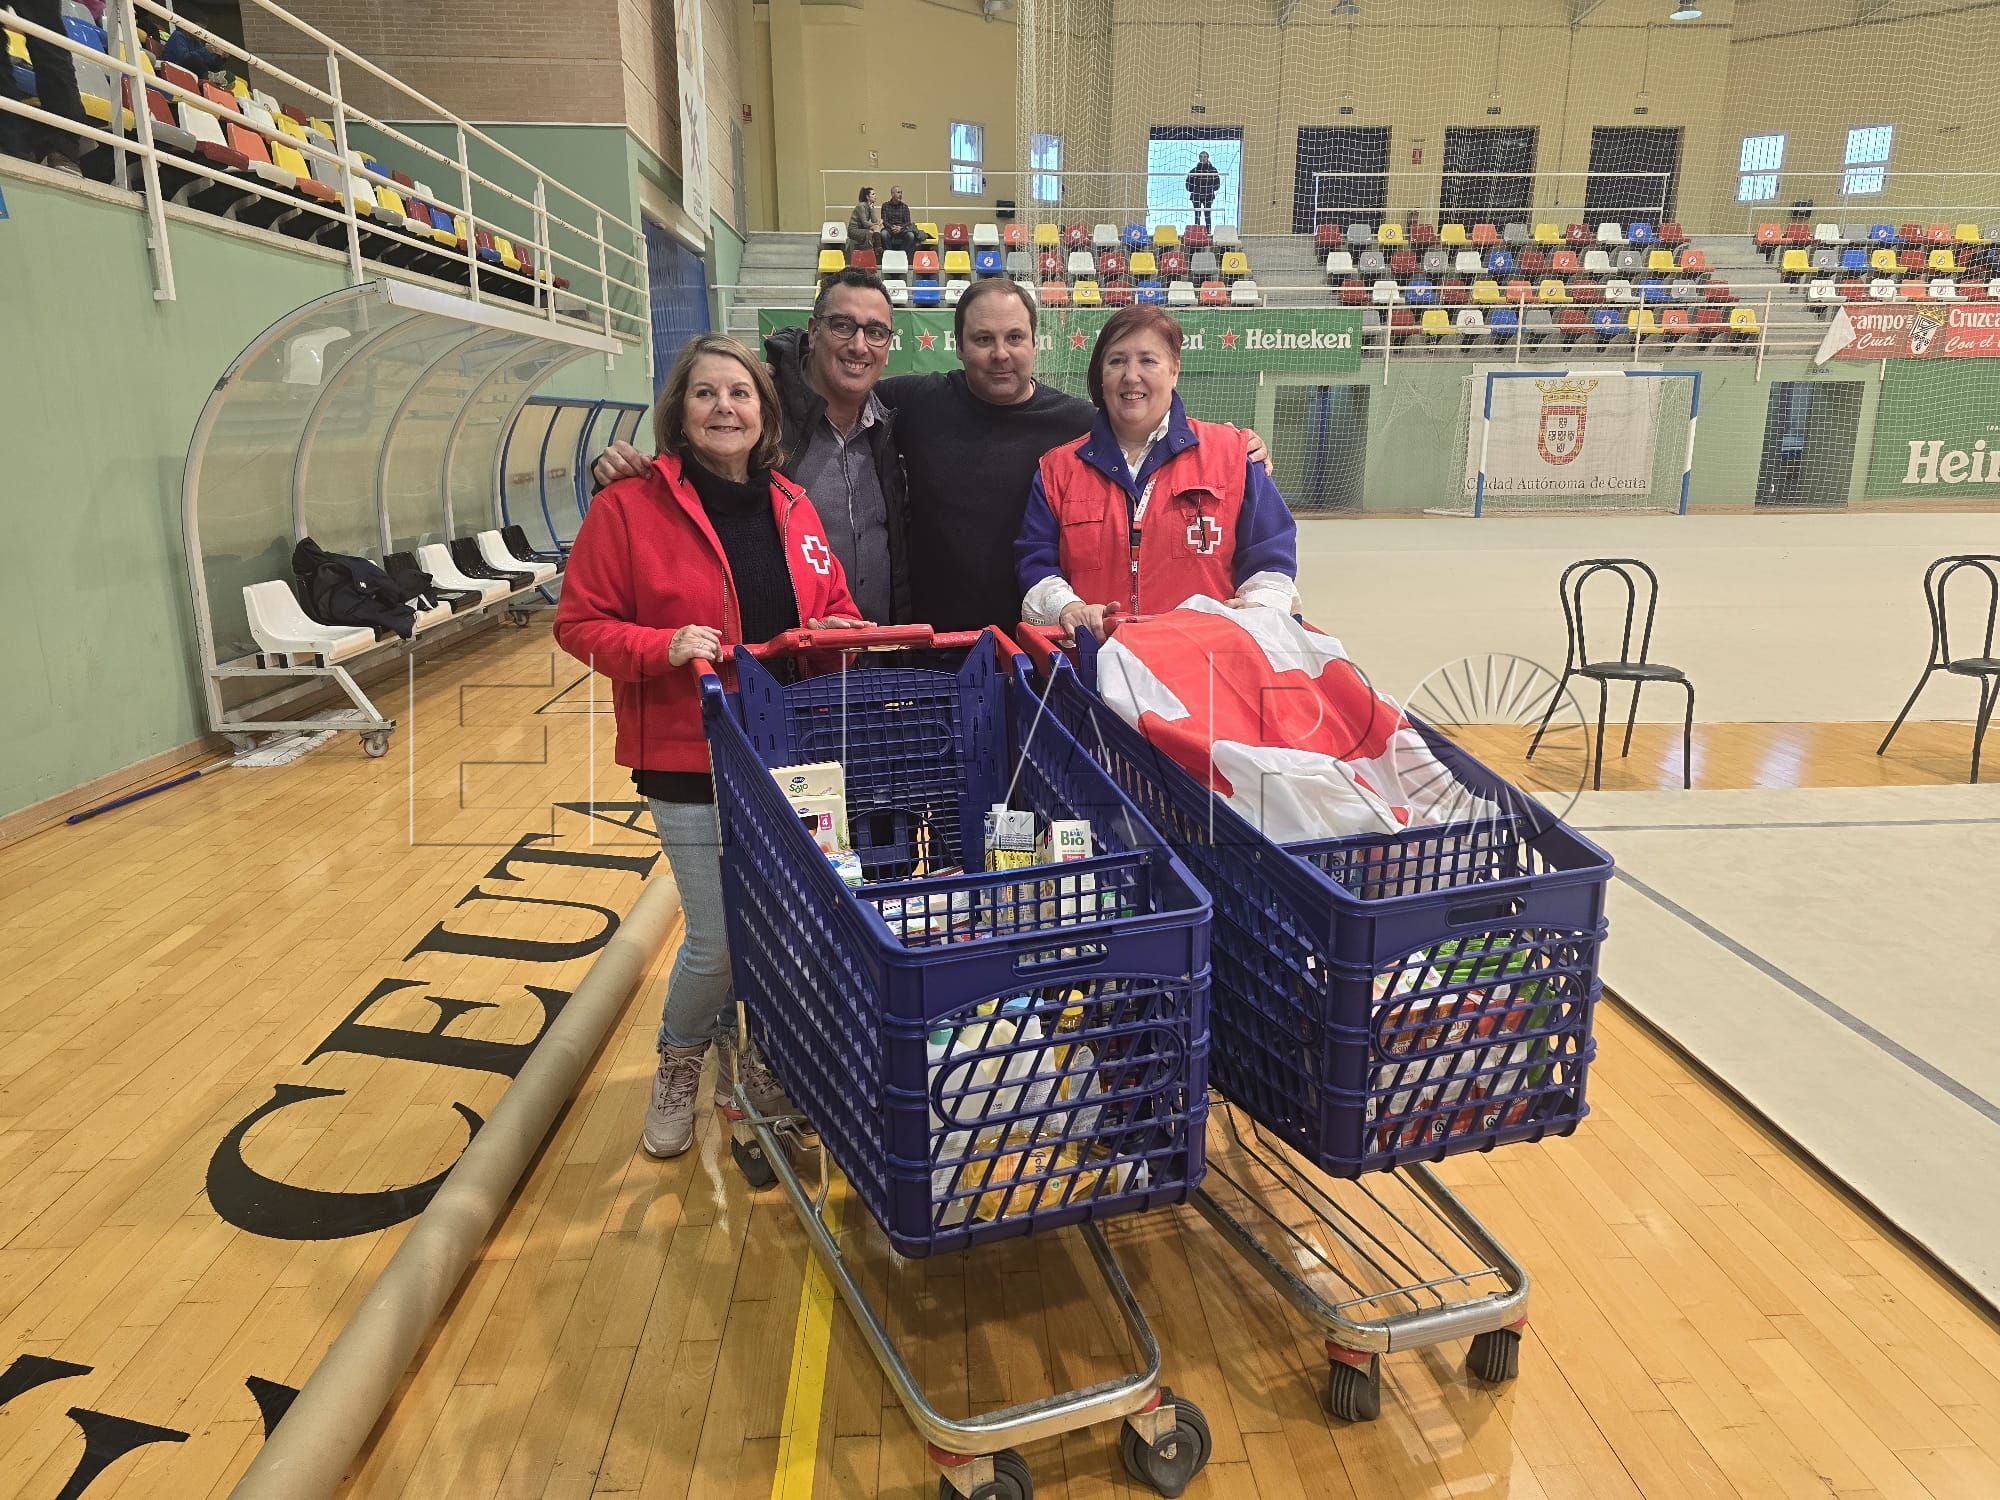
<point>839,439</point>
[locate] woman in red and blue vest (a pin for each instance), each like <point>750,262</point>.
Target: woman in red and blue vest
<point>1149,508</point>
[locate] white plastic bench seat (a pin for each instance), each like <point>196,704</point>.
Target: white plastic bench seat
<point>280,627</point>
<point>435,559</point>
<point>985,236</point>
<point>493,547</point>
<point>436,615</point>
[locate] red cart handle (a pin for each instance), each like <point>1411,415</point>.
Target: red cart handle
<point>871,638</point>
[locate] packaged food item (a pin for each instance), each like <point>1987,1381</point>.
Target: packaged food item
<point>847,865</point>
<point>1070,898</point>
<point>825,820</point>
<point>927,919</point>
<point>819,778</point>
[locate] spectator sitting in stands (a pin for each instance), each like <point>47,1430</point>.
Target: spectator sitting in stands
<point>55,86</point>
<point>864,228</point>
<point>1203,183</point>
<point>898,233</point>
<point>838,438</point>
<point>186,50</point>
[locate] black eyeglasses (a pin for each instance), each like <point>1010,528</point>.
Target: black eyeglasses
<point>844,328</point>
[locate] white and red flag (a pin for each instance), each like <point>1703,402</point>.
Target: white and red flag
<point>1274,719</point>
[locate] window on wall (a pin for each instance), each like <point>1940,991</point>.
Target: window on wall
<point>1757,168</point>
<point>1047,164</point>
<point>968,159</point>
<point>1867,159</point>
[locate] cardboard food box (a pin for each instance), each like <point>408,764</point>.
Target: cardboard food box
<point>1070,898</point>
<point>825,819</point>
<point>819,778</point>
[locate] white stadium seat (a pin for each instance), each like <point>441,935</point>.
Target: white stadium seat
<point>986,236</point>
<point>1181,294</point>
<point>1339,263</point>
<point>1597,263</point>
<point>1829,234</point>
<point>1610,234</point>
<point>1882,289</point>
<point>1082,264</point>
<point>1244,293</point>
<point>281,628</point>
<point>833,232</point>
<point>1226,237</point>
<point>493,548</point>
<point>1944,289</point>
<point>953,290</point>
<point>1471,322</point>
<point>435,559</point>
<point>1822,290</point>
<point>896,263</point>
<point>1467,263</point>
<point>1104,237</point>
<point>899,292</point>
<point>1384,293</point>
<point>1619,290</point>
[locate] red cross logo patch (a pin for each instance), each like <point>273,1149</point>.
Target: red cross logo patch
<point>818,556</point>
<point>1204,535</point>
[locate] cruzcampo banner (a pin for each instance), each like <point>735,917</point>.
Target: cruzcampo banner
<point>1236,341</point>
<point>1937,431</point>
<point>1926,331</point>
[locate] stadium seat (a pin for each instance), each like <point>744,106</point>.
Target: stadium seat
<point>1081,263</point>
<point>1423,235</point>
<point>1111,266</point>
<point>1020,265</point>
<point>1881,289</point>
<point>1049,265</point>
<point>1501,263</point>
<point>1672,236</point>
<point>1104,236</point>
<point>1353,292</point>
<point>1372,263</point>
<point>985,236</point>
<point>1203,265</point>
<point>1236,265</point>
<point>1514,234</point>
<point>1854,291</point>
<point>1608,323</point>
<point>1944,289</point>
<point>1829,234</point>
<point>493,551</point>
<point>1453,236</point>
<point>1135,237</point>
<point>1968,234</point>
<point>1687,291</point>
<point>1653,289</point>
<point>896,263</point>
<point>956,236</point>
<point>1909,234</point>
<point>1717,291</point>
<point>1054,294</point>
<point>1518,292</point>
<point>1676,321</point>
<point>1181,294</point>
<point>1642,322</point>
<point>1087,294</point>
<point>1710,322</point>
<point>863,260</point>
<point>1597,263</point>
<point>1587,291</point>
<point>1797,233</point>
<point>1360,234</point>
<point>1824,260</point>
<point>1075,237</point>
<point>1882,234</point>
<point>1454,294</point>
<point>1244,293</point>
<point>924,262</point>
<point>832,262</point>
<point>1226,237</point>
<point>1118,294</point>
<point>1326,238</point>
<point>1402,323</point>
<point>1197,237</point>
<point>987,262</point>
<point>1384,293</point>
<point>1534,262</point>
<point>1173,265</point>
<point>1629,262</point>
<point>1047,237</point>
<point>1392,235</point>
<point>958,262</point>
<point>1014,235</point>
<point>1436,323</point>
<point>1485,236</point>
<point>283,630</point>
<point>1913,290</point>
<point>1913,260</point>
<point>1504,323</point>
<point>1552,291</point>
<point>926,294</point>
<point>1769,237</point>
<point>1420,293</point>
<point>832,232</point>
<point>1213,294</point>
<point>1486,292</point>
<point>1609,233</point>
<point>1794,264</point>
<point>1144,265</point>
<point>1937,234</point>
<point>1165,237</point>
<point>1339,264</point>
<point>1149,292</point>
<point>1640,234</point>
<point>1743,322</point>
<point>1547,234</point>
<point>1885,261</point>
<point>1537,324</point>
<point>1853,260</point>
<point>1618,289</point>
<point>1660,262</point>
<point>1572,324</point>
<point>438,560</point>
<point>1467,263</point>
<point>1942,261</point>
<point>1822,292</point>
<point>899,291</point>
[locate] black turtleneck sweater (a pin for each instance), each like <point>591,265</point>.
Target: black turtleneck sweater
<point>747,526</point>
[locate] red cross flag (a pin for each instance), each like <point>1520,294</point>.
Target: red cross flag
<point>1275,720</point>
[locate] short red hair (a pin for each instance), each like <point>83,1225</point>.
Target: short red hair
<point>1122,325</point>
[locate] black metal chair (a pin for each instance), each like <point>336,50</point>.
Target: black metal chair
<point>1984,667</point>
<point>1637,670</point>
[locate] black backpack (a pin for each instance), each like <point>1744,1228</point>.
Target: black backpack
<point>337,589</point>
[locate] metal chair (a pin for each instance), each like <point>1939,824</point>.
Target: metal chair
<point>1985,666</point>
<point>1636,670</point>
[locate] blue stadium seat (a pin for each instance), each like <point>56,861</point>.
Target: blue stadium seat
<point>1640,234</point>
<point>1502,263</point>
<point>1420,293</point>
<point>1882,234</point>
<point>1150,291</point>
<point>986,262</point>
<point>1504,322</point>
<point>1854,260</point>
<point>1653,289</point>
<point>1136,238</point>
<point>1607,322</point>
<point>926,294</point>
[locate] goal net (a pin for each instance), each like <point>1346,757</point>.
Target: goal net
<point>1577,439</point>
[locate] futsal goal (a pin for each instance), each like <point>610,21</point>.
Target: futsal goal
<point>1579,439</point>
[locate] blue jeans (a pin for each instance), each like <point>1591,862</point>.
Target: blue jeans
<point>701,1000</point>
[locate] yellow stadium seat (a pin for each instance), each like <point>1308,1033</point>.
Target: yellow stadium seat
<point>1391,235</point>
<point>832,262</point>
<point>1661,262</point>
<point>1048,237</point>
<point>1642,322</point>
<point>1086,294</point>
<point>1885,261</point>
<point>240,87</point>
<point>1166,237</point>
<point>1968,234</point>
<point>17,47</point>
<point>1552,290</point>
<point>1795,263</point>
<point>958,263</point>
<point>507,256</point>
<point>1437,322</point>
<point>1143,264</point>
<point>1944,263</point>
<point>1235,263</point>
<point>929,232</point>
<point>1743,320</point>
<point>1548,234</point>
<point>1455,236</point>
<point>1487,291</point>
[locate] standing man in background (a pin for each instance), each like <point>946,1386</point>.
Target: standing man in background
<point>1203,183</point>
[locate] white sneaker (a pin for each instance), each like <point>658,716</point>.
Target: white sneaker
<point>670,1118</point>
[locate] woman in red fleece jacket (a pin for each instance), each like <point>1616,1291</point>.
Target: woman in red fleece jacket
<point>707,549</point>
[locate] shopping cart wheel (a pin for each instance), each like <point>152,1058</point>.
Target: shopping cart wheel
<point>1495,1355</point>
<point>751,1162</point>
<point>1170,1461</point>
<point>1354,1392</point>
<point>1011,1481</point>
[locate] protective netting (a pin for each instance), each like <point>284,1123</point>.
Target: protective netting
<point>1782,193</point>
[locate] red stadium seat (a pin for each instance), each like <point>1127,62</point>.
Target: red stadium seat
<point>1213,294</point>
<point>1565,263</point>
<point>1910,234</point>
<point>1118,294</point>
<point>1939,234</point>
<point>1854,291</point>
<point>1519,292</point>
<point>1403,264</point>
<point>1586,291</point>
<point>1535,262</point>
<point>1327,237</point>
<point>1694,262</point>
<point>1574,322</point>
<point>1111,265</point>
<point>1769,237</point>
<point>1578,235</point>
<point>1055,294</point>
<point>1050,265</point>
<point>1455,293</point>
<point>1672,236</point>
<point>1797,233</point>
<point>1196,237</point>
<point>1718,291</point>
<point>956,236</point>
<point>1675,320</point>
<point>1173,265</point>
<point>1423,236</point>
<point>1485,236</point>
<point>1076,237</point>
<point>1014,235</point>
<point>864,260</point>
<point>1353,293</point>
<point>1402,322</point>
<point>1913,260</point>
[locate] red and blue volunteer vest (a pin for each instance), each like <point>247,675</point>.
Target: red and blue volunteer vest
<point>1186,543</point>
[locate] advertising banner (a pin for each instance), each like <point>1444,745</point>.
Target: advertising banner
<point>1888,330</point>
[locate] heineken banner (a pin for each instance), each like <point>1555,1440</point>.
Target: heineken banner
<point>1889,331</point>
<point>1937,432</point>
<point>1233,342</point>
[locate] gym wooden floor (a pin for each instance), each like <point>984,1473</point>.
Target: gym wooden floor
<point>1709,1316</point>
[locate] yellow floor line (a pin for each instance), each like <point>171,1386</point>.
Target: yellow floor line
<point>798,1433</point>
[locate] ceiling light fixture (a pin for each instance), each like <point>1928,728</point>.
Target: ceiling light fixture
<point>1686,13</point>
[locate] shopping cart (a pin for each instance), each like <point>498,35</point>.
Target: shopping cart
<point>983,1055</point>
<point>1380,1003</point>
